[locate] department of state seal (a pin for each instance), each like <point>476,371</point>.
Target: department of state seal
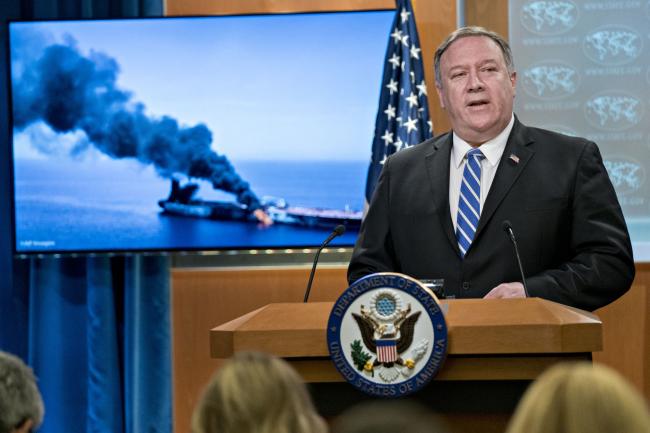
<point>387,335</point>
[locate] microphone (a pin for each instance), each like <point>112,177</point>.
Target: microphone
<point>338,231</point>
<point>507,227</point>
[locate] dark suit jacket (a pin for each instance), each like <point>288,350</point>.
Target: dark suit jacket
<point>572,237</point>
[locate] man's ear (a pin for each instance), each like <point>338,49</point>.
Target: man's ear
<point>25,427</point>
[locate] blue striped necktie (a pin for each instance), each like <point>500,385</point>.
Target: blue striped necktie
<point>469,202</point>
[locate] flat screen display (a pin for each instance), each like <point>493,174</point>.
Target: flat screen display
<point>193,133</point>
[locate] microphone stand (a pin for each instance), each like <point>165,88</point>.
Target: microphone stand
<point>338,231</point>
<point>511,234</point>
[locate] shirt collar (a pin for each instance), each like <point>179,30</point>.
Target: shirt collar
<point>491,149</point>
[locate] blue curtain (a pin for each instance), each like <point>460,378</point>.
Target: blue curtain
<point>96,330</point>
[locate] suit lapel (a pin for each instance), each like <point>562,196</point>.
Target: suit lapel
<point>437,163</point>
<point>515,157</point>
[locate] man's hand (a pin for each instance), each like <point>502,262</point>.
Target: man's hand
<point>507,290</point>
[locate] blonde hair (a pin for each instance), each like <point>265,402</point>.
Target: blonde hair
<point>256,393</point>
<point>581,398</point>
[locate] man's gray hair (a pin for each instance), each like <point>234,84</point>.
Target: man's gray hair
<point>464,32</point>
<point>20,399</point>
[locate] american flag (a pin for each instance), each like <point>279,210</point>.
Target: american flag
<point>403,115</point>
<point>386,350</point>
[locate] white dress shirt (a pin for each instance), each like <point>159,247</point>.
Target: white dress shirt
<point>492,150</point>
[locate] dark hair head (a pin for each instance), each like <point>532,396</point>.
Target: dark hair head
<point>374,416</point>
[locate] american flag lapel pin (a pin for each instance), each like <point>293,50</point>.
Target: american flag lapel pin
<point>514,158</point>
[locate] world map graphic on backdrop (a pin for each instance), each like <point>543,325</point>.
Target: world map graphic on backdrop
<point>582,69</point>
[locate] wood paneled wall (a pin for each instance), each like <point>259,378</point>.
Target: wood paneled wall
<point>205,298</point>
<point>491,14</point>
<point>626,332</point>
<point>232,7</point>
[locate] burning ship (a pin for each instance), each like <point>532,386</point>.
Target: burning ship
<point>181,201</point>
<point>49,90</point>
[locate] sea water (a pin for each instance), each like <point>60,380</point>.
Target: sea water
<point>70,206</point>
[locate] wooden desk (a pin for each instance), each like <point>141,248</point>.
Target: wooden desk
<point>496,348</point>
<point>500,339</point>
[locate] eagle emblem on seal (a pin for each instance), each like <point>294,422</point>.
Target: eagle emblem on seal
<point>387,329</point>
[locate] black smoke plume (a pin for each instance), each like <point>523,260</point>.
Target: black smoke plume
<point>70,92</point>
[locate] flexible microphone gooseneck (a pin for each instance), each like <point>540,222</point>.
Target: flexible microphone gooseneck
<point>507,227</point>
<point>338,231</point>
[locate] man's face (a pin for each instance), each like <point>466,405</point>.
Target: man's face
<point>476,89</point>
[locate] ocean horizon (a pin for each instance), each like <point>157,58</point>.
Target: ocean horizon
<point>71,206</point>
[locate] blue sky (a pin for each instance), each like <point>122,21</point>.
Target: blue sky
<point>269,87</point>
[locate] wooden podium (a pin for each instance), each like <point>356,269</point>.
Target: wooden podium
<point>496,347</point>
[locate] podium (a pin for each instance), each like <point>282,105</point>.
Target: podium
<point>496,348</point>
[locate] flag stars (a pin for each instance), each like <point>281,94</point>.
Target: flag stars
<point>422,88</point>
<point>387,137</point>
<point>396,35</point>
<point>410,125</point>
<point>392,86</point>
<point>412,100</point>
<point>395,61</point>
<point>398,144</point>
<point>405,15</point>
<point>390,111</point>
<point>403,93</point>
<point>415,52</point>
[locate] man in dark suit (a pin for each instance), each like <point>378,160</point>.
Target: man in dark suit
<point>439,208</point>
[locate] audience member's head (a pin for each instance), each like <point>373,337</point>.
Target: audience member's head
<point>21,406</point>
<point>581,398</point>
<point>256,393</point>
<point>387,416</point>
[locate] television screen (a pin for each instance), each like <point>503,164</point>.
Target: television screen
<point>198,133</point>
